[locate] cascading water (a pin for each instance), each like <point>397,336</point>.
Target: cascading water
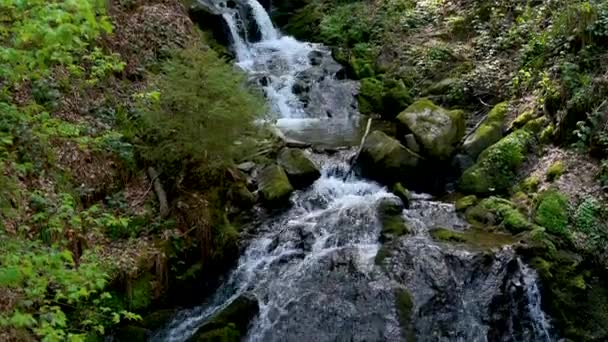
<point>312,267</point>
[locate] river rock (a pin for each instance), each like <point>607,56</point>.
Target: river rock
<point>273,185</point>
<point>385,159</point>
<point>390,212</point>
<point>231,323</point>
<point>489,132</point>
<point>438,130</point>
<point>300,170</point>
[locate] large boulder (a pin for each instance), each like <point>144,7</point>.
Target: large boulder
<point>231,323</point>
<point>497,166</point>
<point>300,170</point>
<point>488,133</point>
<point>436,129</point>
<point>384,158</point>
<point>273,185</point>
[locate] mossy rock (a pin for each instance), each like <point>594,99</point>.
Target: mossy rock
<point>390,212</point>
<point>442,87</point>
<point>552,212</point>
<point>300,170</point>
<point>530,184</point>
<point>384,159</point>
<point>405,306</point>
<point>473,237</point>
<point>555,171</point>
<point>231,321</point>
<point>436,129</point>
<point>496,211</point>
<point>404,194</point>
<point>383,253</point>
<point>274,185</point>
<point>488,133</point>
<point>465,203</point>
<point>497,166</point>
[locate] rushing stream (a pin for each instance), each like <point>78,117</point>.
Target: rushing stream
<point>312,267</point>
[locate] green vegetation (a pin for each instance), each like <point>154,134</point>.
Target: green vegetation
<point>405,306</point>
<point>474,237</point>
<point>555,171</point>
<point>212,110</point>
<point>552,212</point>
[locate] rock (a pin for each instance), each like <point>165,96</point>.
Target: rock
<point>386,98</point>
<point>300,170</point>
<point>390,213</point>
<point>370,96</point>
<point>241,197</point>
<point>497,166</point>
<point>383,158</point>
<point>246,166</point>
<point>442,87</point>
<point>488,133</point>
<point>273,185</point>
<point>411,143</point>
<point>465,203</point>
<point>315,57</point>
<point>400,191</point>
<point>132,333</point>
<point>232,321</point>
<point>157,319</point>
<point>435,128</point>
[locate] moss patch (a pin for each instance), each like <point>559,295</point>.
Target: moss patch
<point>405,306</point>
<point>488,133</point>
<point>495,211</point>
<point>274,186</point>
<point>552,212</point>
<point>465,202</point>
<point>555,171</point>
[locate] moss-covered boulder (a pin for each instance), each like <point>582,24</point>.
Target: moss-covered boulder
<point>488,133</point>
<point>465,203</point>
<point>497,166</point>
<point>384,158</point>
<point>370,96</point>
<point>474,237</point>
<point>495,211</point>
<point>436,129</point>
<point>300,170</point>
<point>273,185</point>
<point>390,212</point>
<point>552,212</point>
<point>231,323</point>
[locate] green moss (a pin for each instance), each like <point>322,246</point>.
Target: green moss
<point>523,119</point>
<point>304,23</point>
<point>552,212</point>
<point>404,194</point>
<point>473,237</point>
<point>405,306</point>
<point>555,171</point>
<point>385,97</point>
<point>385,159</point>
<point>497,166</point>
<point>393,225</point>
<point>498,211</point>
<point>547,134</point>
<point>530,184</point>
<point>300,170</point>
<point>382,254</point>
<point>465,202</point>
<point>274,186</point>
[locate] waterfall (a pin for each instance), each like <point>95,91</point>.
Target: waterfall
<point>312,267</point>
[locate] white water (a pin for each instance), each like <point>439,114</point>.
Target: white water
<point>311,268</point>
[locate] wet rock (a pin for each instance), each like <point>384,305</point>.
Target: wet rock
<point>411,143</point>
<point>466,202</point>
<point>232,321</point>
<point>315,57</point>
<point>438,130</point>
<point>487,133</point>
<point>241,197</point>
<point>300,170</point>
<point>384,158</point>
<point>274,186</point>
<point>300,88</point>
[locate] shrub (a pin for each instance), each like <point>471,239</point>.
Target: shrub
<point>199,113</point>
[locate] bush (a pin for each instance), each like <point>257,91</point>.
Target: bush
<point>199,113</point>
